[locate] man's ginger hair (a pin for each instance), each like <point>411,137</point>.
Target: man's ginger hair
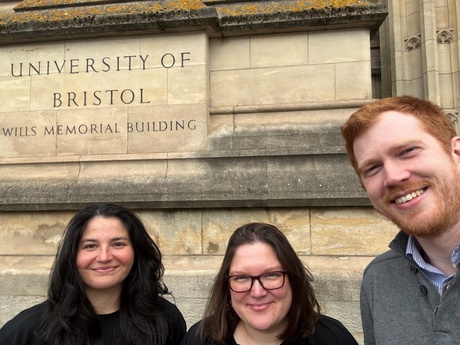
<point>431,116</point>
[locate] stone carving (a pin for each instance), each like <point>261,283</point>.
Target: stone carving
<point>445,36</point>
<point>413,42</point>
<point>454,117</point>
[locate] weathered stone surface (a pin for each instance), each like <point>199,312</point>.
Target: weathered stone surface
<point>347,231</point>
<point>57,19</point>
<point>23,284</point>
<point>193,243</point>
<point>207,134</point>
<point>12,305</point>
<point>316,180</point>
<point>261,88</point>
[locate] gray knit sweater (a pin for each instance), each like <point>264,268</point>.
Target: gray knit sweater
<point>399,305</point>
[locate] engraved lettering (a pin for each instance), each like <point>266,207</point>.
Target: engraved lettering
<point>183,59</point>
<point>169,58</point>
<point>90,64</point>
<point>82,129</point>
<point>20,70</point>
<point>87,65</point>
<point>19,131</point>
<point>99,97</point>
<point>161,126</point>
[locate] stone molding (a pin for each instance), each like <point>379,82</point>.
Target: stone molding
<point>55,20</point>
<point>248,109</point>
<point>413,42</point>
<point>453,115</point>
<point>257,181</point>
<point>445,36</point>
<point>442,36</point>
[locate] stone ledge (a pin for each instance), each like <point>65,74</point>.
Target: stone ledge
<point>275,181</point>
<point>52,20</point>
<point>304,106</point>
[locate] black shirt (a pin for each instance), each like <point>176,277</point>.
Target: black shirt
<point>21,329</point>
<point>328,331</point>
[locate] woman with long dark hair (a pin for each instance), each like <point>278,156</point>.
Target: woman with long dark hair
<point>106,287</point>
<point>263,295</point>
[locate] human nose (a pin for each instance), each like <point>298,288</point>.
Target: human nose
<point>105,254</point>
<point>257,289</point>
<point>395,173</point>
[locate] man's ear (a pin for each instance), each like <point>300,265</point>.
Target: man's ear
<point>455,147</point>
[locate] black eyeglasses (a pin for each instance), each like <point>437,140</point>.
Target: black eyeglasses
<point>269,281</point>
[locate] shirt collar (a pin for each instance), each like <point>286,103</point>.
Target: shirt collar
<point>456,257</point>
<point>413,252</point>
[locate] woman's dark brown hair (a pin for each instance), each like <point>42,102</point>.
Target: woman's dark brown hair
<point>69,317</point>
<point>220,318</point>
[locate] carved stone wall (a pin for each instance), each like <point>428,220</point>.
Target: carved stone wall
<point>422,54</point>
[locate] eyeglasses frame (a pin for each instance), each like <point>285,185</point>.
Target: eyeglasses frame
<point>284,273</point>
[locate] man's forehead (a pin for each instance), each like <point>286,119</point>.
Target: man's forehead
<point>396,127</point>
<point>396,119</point>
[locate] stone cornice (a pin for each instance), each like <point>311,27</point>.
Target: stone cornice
<point>259,181</point>
<point>33,20</point>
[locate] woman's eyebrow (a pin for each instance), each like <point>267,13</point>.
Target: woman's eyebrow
<point>120,238</point>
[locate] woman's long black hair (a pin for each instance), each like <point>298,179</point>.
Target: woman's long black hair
<point>70,319</point>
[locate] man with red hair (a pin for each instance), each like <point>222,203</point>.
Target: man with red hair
<point>407,157</point>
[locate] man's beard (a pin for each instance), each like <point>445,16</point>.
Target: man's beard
<point>442,216</point>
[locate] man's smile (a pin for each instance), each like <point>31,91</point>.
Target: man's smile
<point>409,197</point>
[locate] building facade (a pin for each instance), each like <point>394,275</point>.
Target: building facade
<point>202,116</point>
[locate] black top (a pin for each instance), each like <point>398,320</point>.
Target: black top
<point>328,331</point>
<point>21,329</point>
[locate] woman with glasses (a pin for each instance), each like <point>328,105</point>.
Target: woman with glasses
<point>263,295</point>
<point>106,288</point>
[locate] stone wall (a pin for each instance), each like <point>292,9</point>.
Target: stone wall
<point>420,52</point>
<point>200,121</point>
<point>334,243</point>
<point>199,115</point>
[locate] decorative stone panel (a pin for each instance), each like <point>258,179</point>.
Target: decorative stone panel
<point>445,36</point>
<point>413,42</point>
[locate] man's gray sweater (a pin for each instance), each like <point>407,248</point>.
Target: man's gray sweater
<point>399,304</point>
